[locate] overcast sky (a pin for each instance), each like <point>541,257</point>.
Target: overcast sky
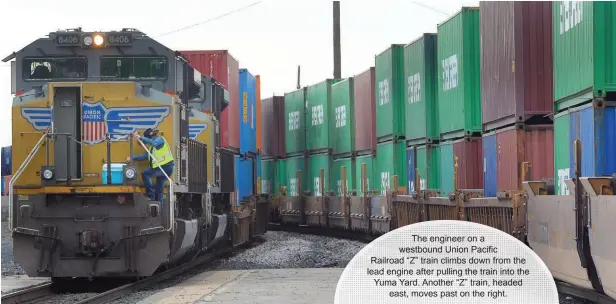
<point>270,38</point>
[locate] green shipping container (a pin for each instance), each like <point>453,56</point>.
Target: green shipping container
<point>295,122</point>
<point>428,158</point>
<point>584,53</point>
<point>293,165</point>
<point>389,93</point>
<point>280,172</point>
<point>318,111</point>
<point>420,108</point>
<point>459,77</point>
<point>446,168</point>
<point>391,160</point>
<point>268,177</point>
<point>562,153</point>
<point>368,160</point>
<point>318,162</point>
<point>343,121</point>
<point>336,175</point>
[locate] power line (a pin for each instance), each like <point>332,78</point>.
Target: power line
<point>212,19</point>
<point>430,8</point>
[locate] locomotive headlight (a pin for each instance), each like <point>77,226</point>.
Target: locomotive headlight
<point>47,174</point>
<point>130,173</point>
<point>98,40</point>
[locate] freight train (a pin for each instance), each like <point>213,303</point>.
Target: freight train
<point>76,208</point>
<point>505,117</point>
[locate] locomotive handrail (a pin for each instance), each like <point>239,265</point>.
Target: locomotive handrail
<point>171,195</point>
<point>18,173</point>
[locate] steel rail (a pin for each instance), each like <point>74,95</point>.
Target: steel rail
<point>27,295</point>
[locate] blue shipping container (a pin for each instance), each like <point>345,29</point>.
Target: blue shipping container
<point>410,169</point>
<point>7,161</point>
<point>244,178</point>
<point>489,165</point>
<point>596,128</point>
<point>248,112</point>
<point>3,191</point>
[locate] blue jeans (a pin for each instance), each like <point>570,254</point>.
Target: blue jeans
<point>156,192</point>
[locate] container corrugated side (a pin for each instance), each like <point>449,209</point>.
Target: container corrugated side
<point>583,51</point>
<point>293,167</point>
<point>268,177</point>
<point>446,168</point>
<point>336,184</point>
<point>258,175</point>
<point>410,169</point>
<point>6,180</point>
<point>279,143</point>
<point>370,162</point>
<point>459,81</point>
<point>534,144</point>
<point>421,120</point>
<point>244,178</point>
<point>390,162</point>
<point>268,128</point>
<point>247,113</point>
<point>7,161</point>
<point>489,165</point>
<point>428,164</point>
<point>280,173</point>
<point>317,163</point>
<point>318,114</point>
<point>561,153</point>
<point>258,118</point>
<point>343,124</point>
<point>365,111</point>
<point>295,122</point>
<point>516,64</point>
<point>470,161</point>
<point>220,65</point>
<point>389,94</point>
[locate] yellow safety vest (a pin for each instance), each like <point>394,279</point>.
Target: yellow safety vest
<point>163,155</point>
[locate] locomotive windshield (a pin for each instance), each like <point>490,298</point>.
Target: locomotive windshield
<point>49,68</point>
<point>115,67</point>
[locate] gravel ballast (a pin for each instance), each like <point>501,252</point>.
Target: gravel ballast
<point>8,264</point>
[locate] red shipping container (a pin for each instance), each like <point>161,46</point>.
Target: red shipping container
<point>470,162</point>
<point>6,184</point>
<point>365,111</point>
<point>534,144</point>
<point>220,65</point>
<point>272,128</point>
<point>516,62</point>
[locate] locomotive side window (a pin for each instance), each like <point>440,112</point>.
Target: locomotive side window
<point>113,67</point>
<point>49,68</point>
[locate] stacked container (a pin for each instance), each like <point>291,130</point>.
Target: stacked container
<point>517,93</point>
<point>460,165</point>
<point>7,170</point>
<point>365,128</point>
<point>343,137</point>
<point>272,144</point>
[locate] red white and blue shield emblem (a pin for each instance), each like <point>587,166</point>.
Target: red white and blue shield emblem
<point>94,125</point>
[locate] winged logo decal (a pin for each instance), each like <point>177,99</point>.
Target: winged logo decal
<point>194,129</point>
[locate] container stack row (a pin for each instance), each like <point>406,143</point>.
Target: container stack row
<point>6,167</point>
<point>240,122</point>
<point>497,86</point>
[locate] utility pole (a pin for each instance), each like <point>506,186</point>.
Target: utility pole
<point>337,67</point>
<point>298,84</point>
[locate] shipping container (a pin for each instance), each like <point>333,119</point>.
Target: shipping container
<point>583,51</point>
<point>247,114</point>
<point>245,172</point>
<point>389,94</point>
<point>459,81</point>
<point>534,144</point>
<point>6,181</point>
<point>336,184</point>
<point>316,163</point>
<point>272,127</point>
<point>489,164</point>
<point>343,124</point>
<point>258,175</point>
<point>3,187</point>
<point>365,111</point>
<point>469,173</point>
<point>516,64</point>
<point>410,169</point>
<point>390,162</point>
<point>295,168</point>
<point>258,120</point>
<point>595,127</point>
<point>369,162</point>
<point>426,160</point>
<point>227,172</point>
<point>421,117</point>
<point>318,112</point>
<point>220,65</point>
<point>268,175</point>
<point>295,122</point>
<point>7,161</point>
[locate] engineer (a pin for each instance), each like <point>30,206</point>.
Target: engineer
<point>162,152</point>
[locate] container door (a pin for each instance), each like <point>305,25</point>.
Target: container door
<point>489,165</point>
<point>410,169</point>
<point>447,169</point>
<point>66,116</point>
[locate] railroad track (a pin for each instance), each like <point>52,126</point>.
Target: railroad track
<point>367,238</point>
<point>41,292</point>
